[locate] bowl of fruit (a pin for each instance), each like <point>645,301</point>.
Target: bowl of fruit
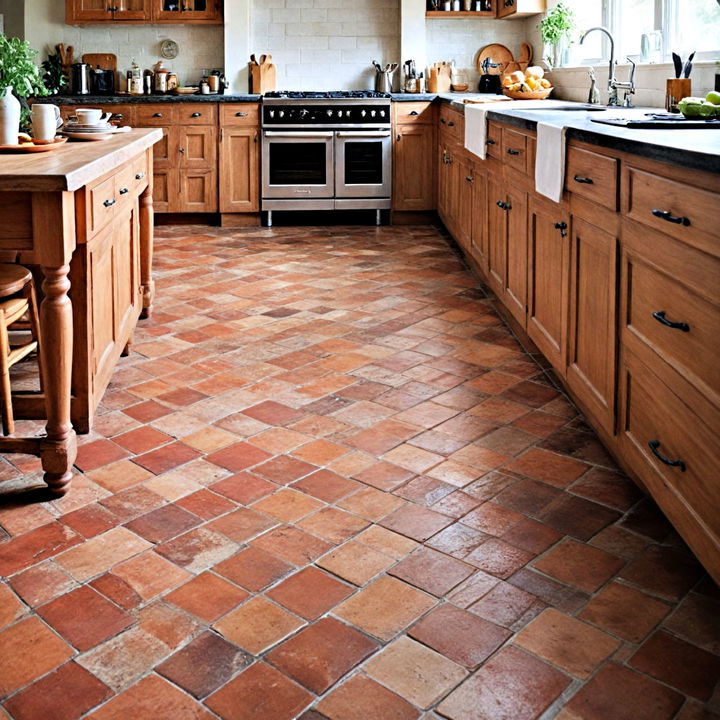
<point>529,85</point>
<point>697,107</point>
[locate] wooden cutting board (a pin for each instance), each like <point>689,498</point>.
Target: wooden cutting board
<point>526,56</point>
<point>105,61</point>
<point>498,54</point>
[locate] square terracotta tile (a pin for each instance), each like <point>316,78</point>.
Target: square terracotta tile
<point>205,504</point>
<point>209,439</point>
<point>242,524</point>
<point>609,488</point>
<point>142,439</point>
<point>527,496</point>
<point>580,565</point>
<point>571,645</point>
<point>32,547</point>
<point>492,519</point>
<point>244,488</point>
<point>90,520</point>
<point>622,694</point>
<point>530,535</point>
<point>198,549</point>
<point>65,694</point>
<point>416,522</point>
<point>360,698</point>
<point>237,457</point>
<point>164,523</point>
<point>512,685</point>
<point>287,505</point>
<point>132,503</point>
<point>413,458</point>
<point>257,625</point>
<point>207,596</point>
<point>204,665</point>
<point>498,558</point>
<point>327,485</point>
<point>284,469</point>
<point>10,606</point>
<point>246,697</point>
<point>697,619</point>
<point>117,590</point>
<point>292,545</point>
<point>355,562</point>
<point>432,571</point>
<point>310,593</point>
<point>273,413</point>
<point>318,656</point>
<point>458,635</point>
<point>320,452</point>
<point>151,575</point>
<point>507,606</point>
<point>626,612</point>
<point>385,608</point>
<point>548,467</point>
<point>85,618</point>
<point>387,542</point>
<point>384,476</point>
<point>97,453</point>
<point>577,517</point>
<point>151,696</point>
<point>663,571</point>
<point>35,650</point>
<point>253,568</point>
<point>167,457</point>
<point>415,672</point>
<point>333,525</point>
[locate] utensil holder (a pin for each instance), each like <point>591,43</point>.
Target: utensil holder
<point>675,90</point>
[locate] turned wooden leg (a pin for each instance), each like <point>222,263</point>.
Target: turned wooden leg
<point>8,424</point>
<point>128,347</point>
<point>59,449</point>
<point>147,232</point>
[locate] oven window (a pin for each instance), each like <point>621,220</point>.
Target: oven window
<point>298,163</point>
<point>364,163</point>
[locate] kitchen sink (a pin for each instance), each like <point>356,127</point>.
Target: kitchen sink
<point>579,107</point>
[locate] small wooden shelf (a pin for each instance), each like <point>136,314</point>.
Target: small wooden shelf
<point>459,13</point>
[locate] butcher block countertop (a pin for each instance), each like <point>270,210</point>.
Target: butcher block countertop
<point>73,165</point>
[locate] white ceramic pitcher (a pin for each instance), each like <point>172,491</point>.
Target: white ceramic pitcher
<point>9,117</point>
<point>45,121</point>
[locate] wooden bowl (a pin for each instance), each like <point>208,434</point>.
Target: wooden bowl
<point>534,95</point>
<point>460,87</point>
<point>186,90</point>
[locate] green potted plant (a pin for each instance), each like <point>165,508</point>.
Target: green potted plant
<point>19,79</point>
<point>555,30</point>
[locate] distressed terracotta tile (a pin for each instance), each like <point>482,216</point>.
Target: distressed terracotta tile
<point>207,596</point>
<point>360,698</point>
<point>355,562</point>
<point>309,593</point>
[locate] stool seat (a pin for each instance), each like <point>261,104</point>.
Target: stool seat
<point>13,278</point>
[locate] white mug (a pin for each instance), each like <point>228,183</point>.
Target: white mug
<point>45,121</point>
<point>92,116</point>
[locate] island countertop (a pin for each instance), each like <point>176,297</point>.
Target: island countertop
<point>73,165</point>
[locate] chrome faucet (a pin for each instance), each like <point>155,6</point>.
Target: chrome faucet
<point>613,83</point>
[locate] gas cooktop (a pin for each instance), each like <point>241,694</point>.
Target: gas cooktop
<point>326,95</point>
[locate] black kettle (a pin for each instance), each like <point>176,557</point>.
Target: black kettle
<point>490,84</point>
<point>80,78</point>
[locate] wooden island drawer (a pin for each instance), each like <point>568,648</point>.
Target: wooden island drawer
<point>239,114</point>
<point>683,211</point>
<point>414,112</point>
<point>494,140</point>
<point>154,115</point>
<point>452,126</point>
<point>131,180</point>
<point>514,150</point>
<point>593,176</point>
<point>102,201</point>
<point>196,114</point>
<point>676,455</point>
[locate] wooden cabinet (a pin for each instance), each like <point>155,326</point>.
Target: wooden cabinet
<point>414,167</point>
<point>549,257</point>
<point>239,165</point>
<point>199,12</point>
<point>517,9</point>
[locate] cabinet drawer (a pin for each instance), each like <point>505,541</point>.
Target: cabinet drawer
<point>494,140</point>
<point>683,211</point>
<point>239,114</point>
<point>102,202</point>
<point>154,115</point>
<point>675,453</point>
<point>121,114</point>
<point>592,176</point>
<point>671,306</point>
<point>131,179</point>
<point>452,126</point>
<point>414,113</point>
<point>196,114</point>
<point>514,150</point>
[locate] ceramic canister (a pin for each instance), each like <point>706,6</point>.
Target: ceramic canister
<point>9,117</point>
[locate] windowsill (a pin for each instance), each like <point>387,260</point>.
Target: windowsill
<point>604,63</point>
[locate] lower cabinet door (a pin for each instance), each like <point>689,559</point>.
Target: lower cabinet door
<point>413,168</point>
<point>239,170</point>
<point>496,234</point>
<point>549,255</point>
<point>592,342</point>
<point>478,221</point>
<point>164,190</point>
<point>516,240</point>
<point>197,192</point>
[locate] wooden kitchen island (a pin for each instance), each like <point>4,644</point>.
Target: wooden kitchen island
<point>81,218</point>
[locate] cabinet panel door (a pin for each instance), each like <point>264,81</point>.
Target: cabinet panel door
<point>496,235</point>
<point>478,231</point>
<point>101,275</point>
<point>413,168</point>
<point>164,190</point>
<point>131,9</point>
<point>516,281</point>
<point>239,170</point>
<point>88,10</point>
<point>592,346</point>
<point>127,272</point>
<point>549,258</point>
<point>443,171</point>
<point>163,155</point>
<point>465,182</point>
<point>198,191</point>
<point>197,147</point>
<point>186,11</point>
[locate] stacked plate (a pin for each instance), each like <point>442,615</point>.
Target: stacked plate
<point>78,131</point>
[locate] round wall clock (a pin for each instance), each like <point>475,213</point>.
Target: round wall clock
<point>169,49</point>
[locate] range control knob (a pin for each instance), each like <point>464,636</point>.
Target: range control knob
<point>329,112</point>
<point>372,113</point>
<point>382,113</point>
<point>281,113</point>
<point>363,113</point>
<point>271,113</point>
<point>304,113</point>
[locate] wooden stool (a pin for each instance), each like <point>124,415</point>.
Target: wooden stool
<point>17,299</point>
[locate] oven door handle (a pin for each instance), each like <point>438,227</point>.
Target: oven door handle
<point>275,134</point>
<point>363,134</point>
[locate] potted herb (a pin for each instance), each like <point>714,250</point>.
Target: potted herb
<point>19,79</point>
<point>555,30</point>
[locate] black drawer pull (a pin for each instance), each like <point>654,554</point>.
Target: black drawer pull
<point>196,114</point>
<point>241,114</point>
<point>660,317</point>
<point>443,121</point>
<point>562,227</point>
<point>513,152</point>
<point>583,180</point>
<point>451,124</point>
<point>140,176</point>
<point>157,114</point>
<point>654,446</point>
<point>117,116</point>
<point>503,205</point>
<point>669,217</point>
<point>491,142</point>
<point>470,179</point>
<point>109,203</point>
<point>181,150</point>
<point>124,191</point>
<point>414,112</point>
<point>509,3</point>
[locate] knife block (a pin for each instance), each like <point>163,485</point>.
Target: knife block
<point>675,90</point>
<point>439,78</point>
<point>263,78</point>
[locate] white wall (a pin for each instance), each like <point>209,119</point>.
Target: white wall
<point>201,46</point>
<point>13,16</point>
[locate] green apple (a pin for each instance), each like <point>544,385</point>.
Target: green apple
<point>713,97</point>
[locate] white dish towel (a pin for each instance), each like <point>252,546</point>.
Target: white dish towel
<point>550,160</point>
<point>476,129</point>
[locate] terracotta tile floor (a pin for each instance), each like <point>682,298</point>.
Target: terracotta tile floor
<point>329,484</point>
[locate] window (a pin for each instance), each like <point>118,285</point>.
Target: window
<point>686,25</point>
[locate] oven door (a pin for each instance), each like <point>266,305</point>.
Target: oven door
<point>363,164</point>
<point>297,164</point>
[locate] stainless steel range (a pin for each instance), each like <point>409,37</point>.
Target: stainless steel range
<point>326,151</point>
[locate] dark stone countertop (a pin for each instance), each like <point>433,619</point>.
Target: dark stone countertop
<point>140,99</point>
<point>414,97</point>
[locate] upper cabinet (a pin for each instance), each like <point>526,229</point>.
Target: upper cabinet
<point>510,9</point>
<point>201,12</point>
<point>502,9</point>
